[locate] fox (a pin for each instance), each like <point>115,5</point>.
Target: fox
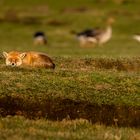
<point>33,59</point>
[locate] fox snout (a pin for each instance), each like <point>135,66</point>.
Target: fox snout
<point>13,64</point>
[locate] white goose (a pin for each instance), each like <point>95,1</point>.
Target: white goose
<point>136,37</point>
<point>96,35</point>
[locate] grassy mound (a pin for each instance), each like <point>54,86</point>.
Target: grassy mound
<point>77,88</point>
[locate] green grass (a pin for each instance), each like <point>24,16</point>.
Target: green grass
<point>76,80</point>
<point>73,89</point>
<point>20,128</point>
<point>103,80</point>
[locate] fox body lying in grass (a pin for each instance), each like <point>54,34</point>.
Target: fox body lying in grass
<point>33,59</point>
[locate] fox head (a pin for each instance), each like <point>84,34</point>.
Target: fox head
<point>14,58</point>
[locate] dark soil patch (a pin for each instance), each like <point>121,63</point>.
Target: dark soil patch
<point>55,22</point>
<point>75,10</point>
<point>58,109</point>
<point>23,20</point>
<point>12,16</point>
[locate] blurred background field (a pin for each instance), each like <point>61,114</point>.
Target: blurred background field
<point>20,19</point>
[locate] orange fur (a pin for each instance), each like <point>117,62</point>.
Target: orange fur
<point>33,59</point>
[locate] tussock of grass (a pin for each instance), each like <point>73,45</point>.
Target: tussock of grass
<point>15,128</point>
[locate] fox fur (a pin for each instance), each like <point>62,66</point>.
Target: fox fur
<point>33,59</point>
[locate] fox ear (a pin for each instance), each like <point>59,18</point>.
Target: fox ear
<point>22,55</point>
<point>5,54</point>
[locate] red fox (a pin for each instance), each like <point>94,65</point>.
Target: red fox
<point>34,59</point>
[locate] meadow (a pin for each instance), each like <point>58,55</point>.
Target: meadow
<point>94,92</point>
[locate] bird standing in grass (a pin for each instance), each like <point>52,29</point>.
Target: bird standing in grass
<point>136,37</point>
<point>40,38</point>
<point>97,35</point>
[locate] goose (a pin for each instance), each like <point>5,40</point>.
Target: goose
<point>136,37</point>
<point>96,35</point>
<point>40,38</point>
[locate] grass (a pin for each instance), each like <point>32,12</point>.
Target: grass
<point>81,81</point>
<point>87,83</point>
<point>24,129</point>
<point>83,85</point>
